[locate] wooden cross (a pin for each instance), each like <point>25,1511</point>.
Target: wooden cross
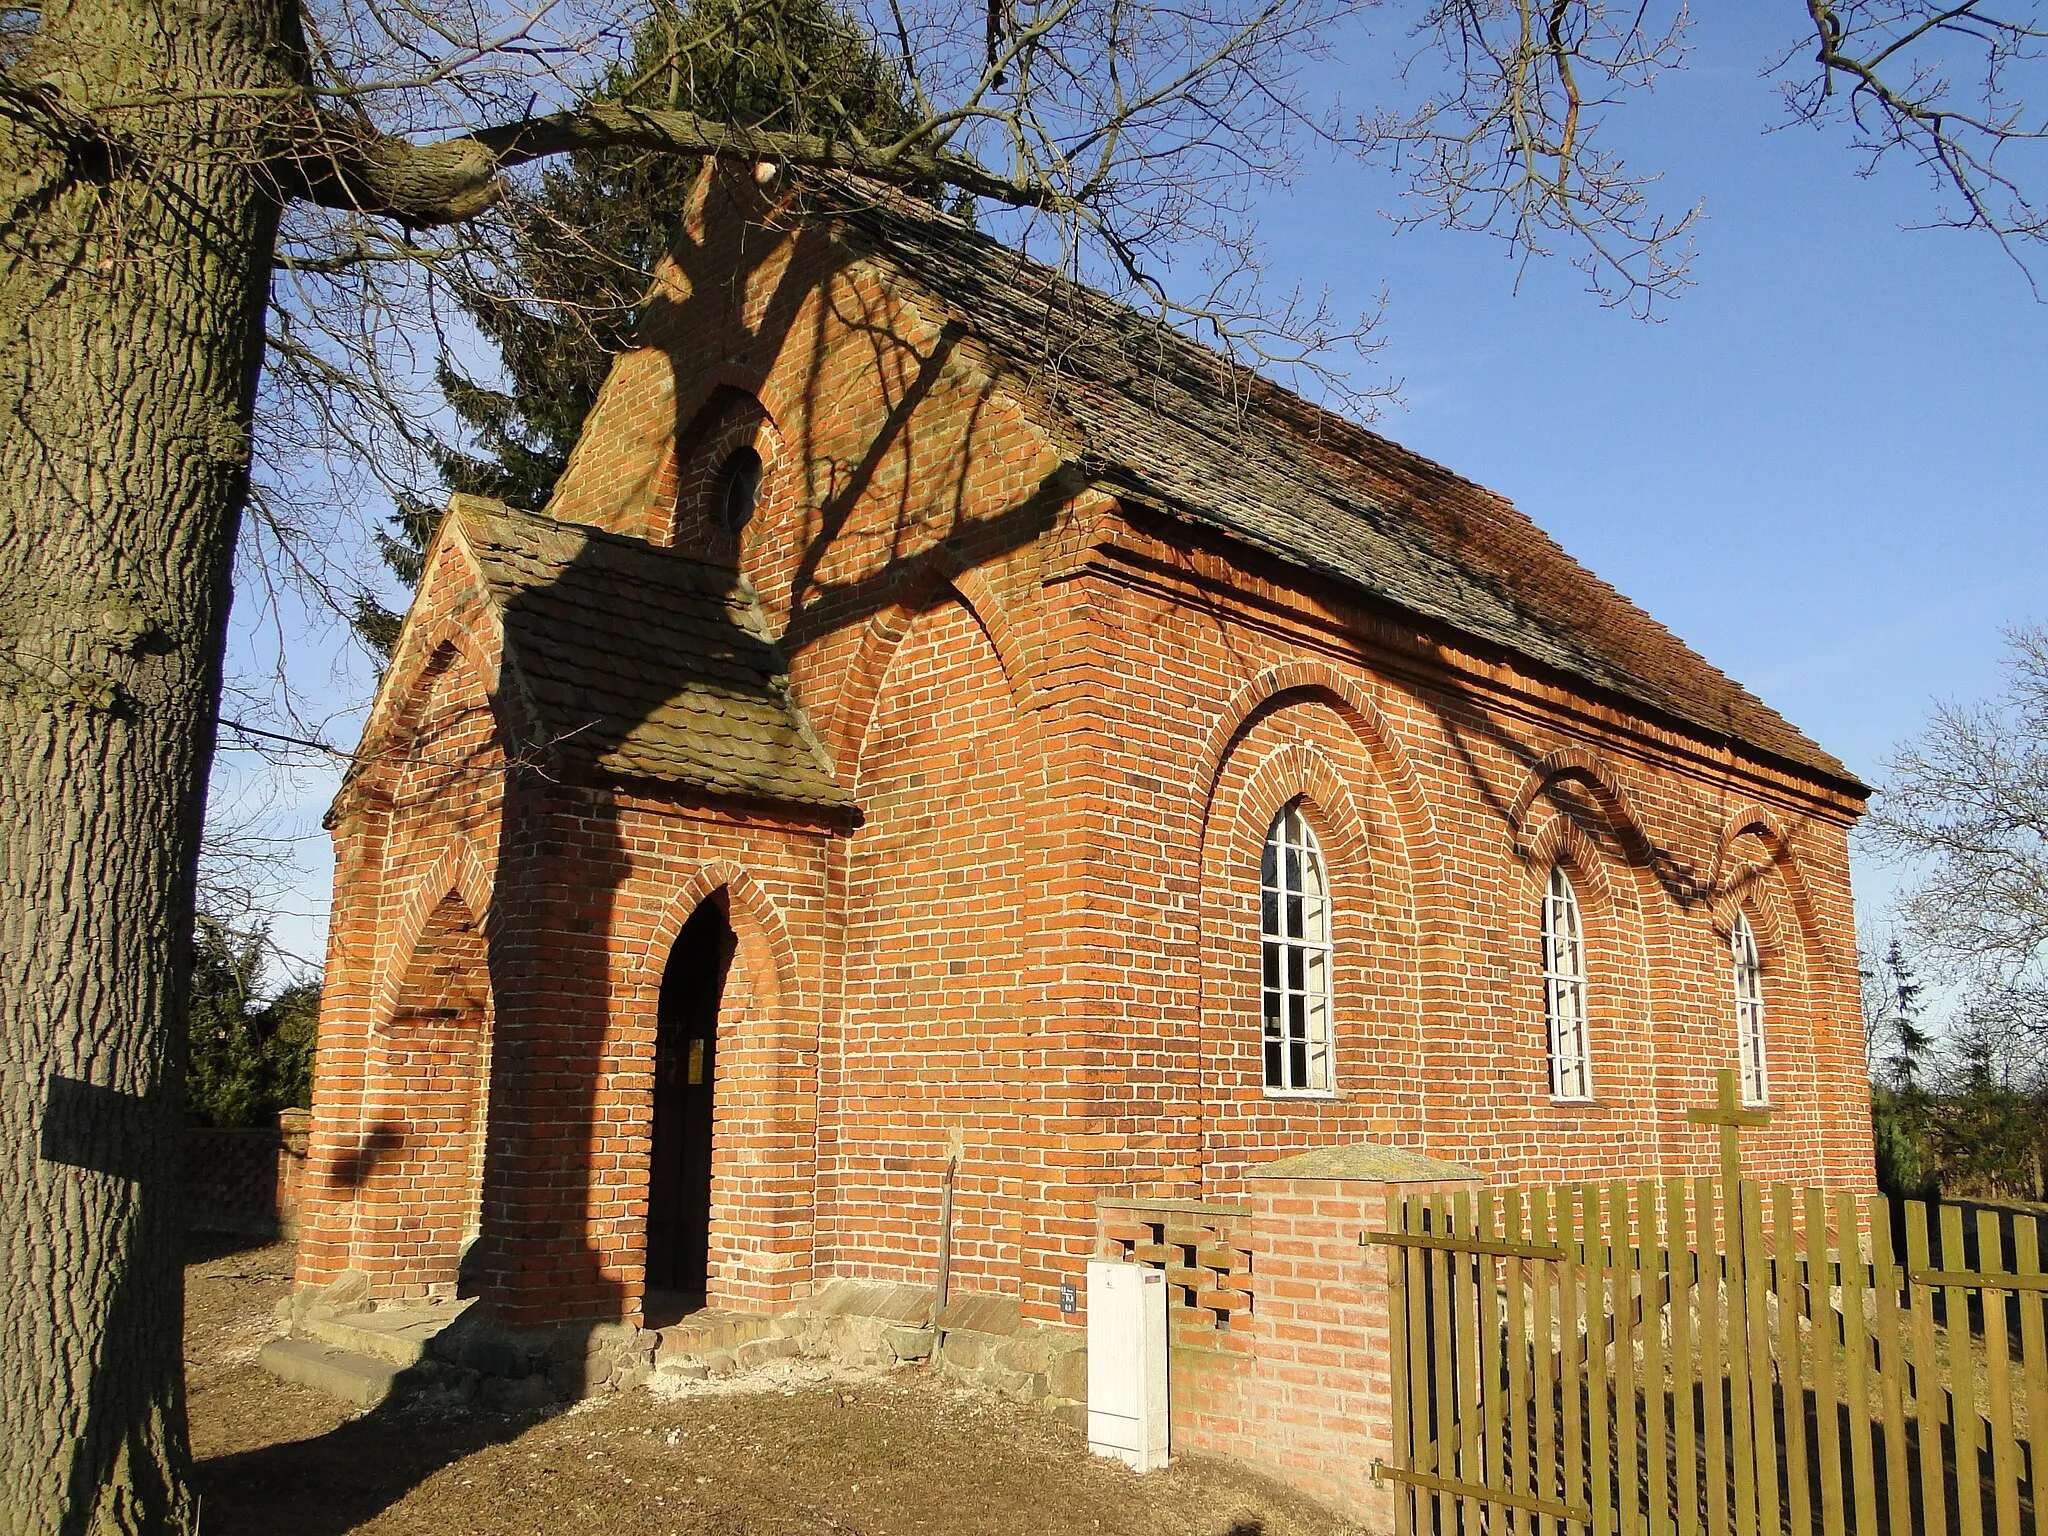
<point>1730,1115</point>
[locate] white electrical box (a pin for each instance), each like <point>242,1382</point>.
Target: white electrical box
<point>1127,1415</point>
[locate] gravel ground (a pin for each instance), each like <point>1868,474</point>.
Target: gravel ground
<point>795,1448</point>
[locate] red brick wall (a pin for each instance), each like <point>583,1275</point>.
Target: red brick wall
<point>1299,1383</point>
<point>930,1053</point>
<point>1317,1407</point>
<point>408,986</point>
<point>1441,793</point>
<point>593,890</point>
<point>1068,727</point>
<point>415,1175</point>
<point>1213,1330</point>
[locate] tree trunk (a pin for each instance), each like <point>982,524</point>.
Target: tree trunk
<point>135,249</point>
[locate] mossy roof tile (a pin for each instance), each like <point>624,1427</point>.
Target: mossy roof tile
<point>643,661</point>
<point>1169,424</point>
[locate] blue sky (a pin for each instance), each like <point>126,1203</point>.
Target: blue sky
<point>1826,469</point>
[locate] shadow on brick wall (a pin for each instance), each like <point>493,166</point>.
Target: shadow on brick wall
<point>549,1249</point>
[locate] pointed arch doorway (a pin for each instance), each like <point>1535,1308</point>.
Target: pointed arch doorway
<point>685,1081</point>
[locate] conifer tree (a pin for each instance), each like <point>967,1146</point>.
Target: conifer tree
<point>248,1055</point>
<point>560,302</point>
<point>1901,1107</point>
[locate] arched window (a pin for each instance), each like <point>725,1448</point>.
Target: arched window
<point>1749,1011</point>
<point>1564,990</point>
<point>1294,923</point>
<point>739,488</point>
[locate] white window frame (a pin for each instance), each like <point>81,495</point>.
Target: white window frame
<point>1754,1071</point>
<point>1295,1046</point>
<point>1564,991</point>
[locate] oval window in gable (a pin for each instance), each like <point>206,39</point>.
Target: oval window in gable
<point>739,490</point>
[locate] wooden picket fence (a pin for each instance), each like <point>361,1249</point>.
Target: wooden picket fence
<point>1653,1357</point>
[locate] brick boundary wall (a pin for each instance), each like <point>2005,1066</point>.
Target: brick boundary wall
<point>245,1180</point>
<point>1317,1409</point>
<point>1206,1252</point>
<point>1278,1343</point>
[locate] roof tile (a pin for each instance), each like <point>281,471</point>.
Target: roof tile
<point>643,661</point>
<point>1169,423</point>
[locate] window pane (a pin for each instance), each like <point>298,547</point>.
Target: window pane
<point>1564,996</point>
<point>1294,964</point>
<point>1315,924</point>
<point>1320,1076</point>
<point>1749,1012</point>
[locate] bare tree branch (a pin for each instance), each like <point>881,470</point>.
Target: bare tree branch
<point>1512,142</point>
<point>1937,84</point>
<point>1968,800</point>
<point>457,179</point>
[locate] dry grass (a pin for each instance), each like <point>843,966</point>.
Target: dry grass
<point>888,1454</point>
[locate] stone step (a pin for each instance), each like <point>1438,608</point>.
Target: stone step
<point>710,1332</point>
<point>359,1379</point>
<point>399,1335</point>
<point>910,1305</point>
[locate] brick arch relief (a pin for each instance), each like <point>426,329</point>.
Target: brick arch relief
<point>936,578</point>
<point>765,960</point>
<point>941,956</point>
<point>1615,908</point>
<point>440,769</point>
<point>1670,891</point>
<point>454,678</point>
<point>415,1172</point>
<point>693,515</point>
<point>764,1082</point>
<point>1578,766</point>
<point>1755,861</point>
<point>1758,892</point>
<point>1573,806</point>
<point>457,871</point>
<point>1304,749</point>
<point>1757,877</point>
<point>1279,687</point>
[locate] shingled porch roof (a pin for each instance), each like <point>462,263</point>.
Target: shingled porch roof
<point>643,662</point>
<point>1166,423</point>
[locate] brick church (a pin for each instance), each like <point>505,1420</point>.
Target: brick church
<point>942,718</point>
